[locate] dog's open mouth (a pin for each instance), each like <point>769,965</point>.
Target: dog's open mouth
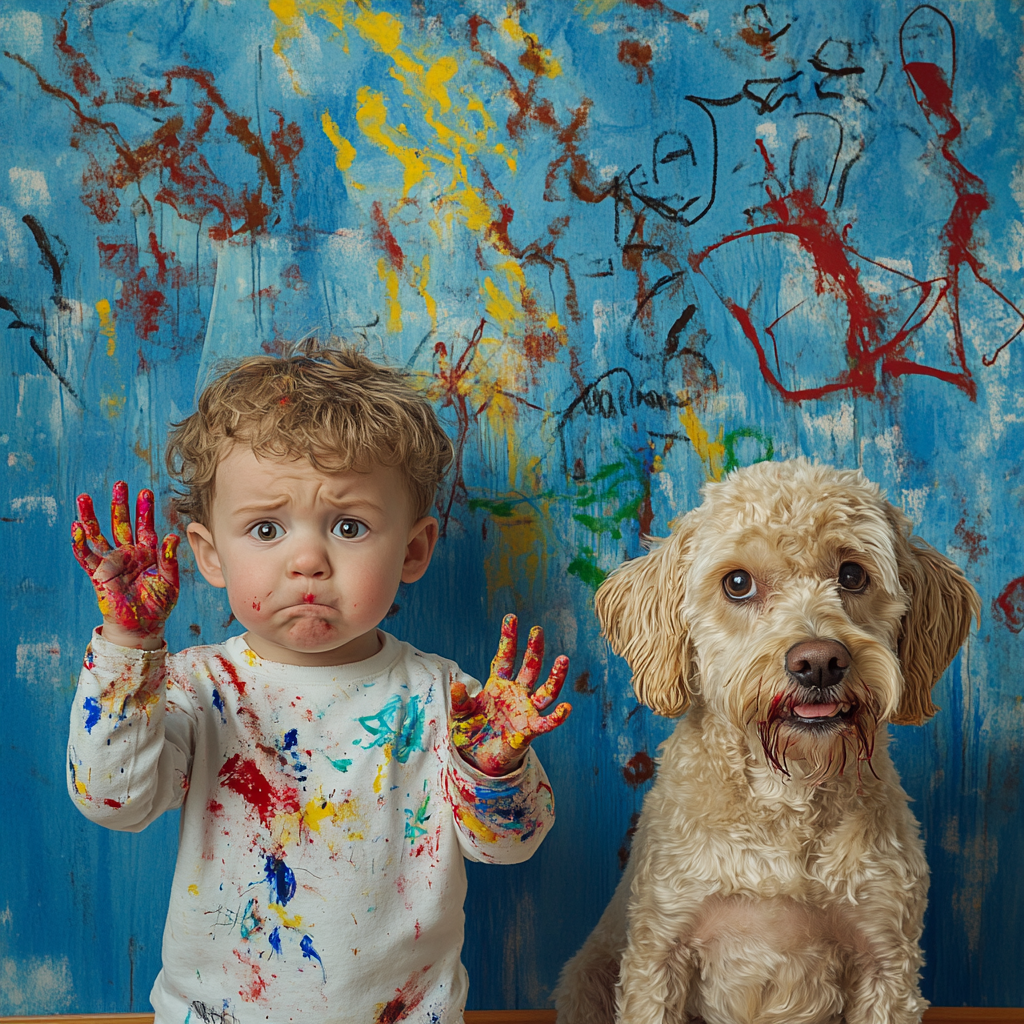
<point>816,714</point>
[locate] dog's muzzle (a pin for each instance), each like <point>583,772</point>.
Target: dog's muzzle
<point>818,666</point>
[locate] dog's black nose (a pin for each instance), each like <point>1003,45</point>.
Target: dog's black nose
<point>818,663</point>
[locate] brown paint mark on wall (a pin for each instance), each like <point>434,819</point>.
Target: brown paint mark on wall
<point>1008,607</point>
<point>639,769</point>
<point>970,540</point>
<point>582,683</point>
<point>637,55</point>
<point>627,843</point>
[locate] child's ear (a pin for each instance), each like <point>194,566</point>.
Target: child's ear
<point>419,549</point>
<point>205,551</point>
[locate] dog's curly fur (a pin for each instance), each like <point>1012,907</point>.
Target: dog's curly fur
<point>777,875</point>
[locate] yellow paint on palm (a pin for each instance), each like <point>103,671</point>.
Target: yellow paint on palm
<point>107,325</point>
<point>711,453</point>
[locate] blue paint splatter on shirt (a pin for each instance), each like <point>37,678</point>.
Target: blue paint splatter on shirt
<point>306,945</point>
<point>281,879</point>
<point>275,940</point>
<point>92,712</point>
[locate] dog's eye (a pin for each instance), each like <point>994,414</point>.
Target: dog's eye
<point>852,577</point>
<point>739,585</point>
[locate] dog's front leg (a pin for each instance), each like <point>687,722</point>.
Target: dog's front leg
<point>657,967</point>
<point>885,989</point>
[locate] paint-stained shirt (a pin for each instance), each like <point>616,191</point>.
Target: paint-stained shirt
<point>324,821</point>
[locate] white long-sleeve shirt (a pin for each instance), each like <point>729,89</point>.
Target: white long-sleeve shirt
<point>325,817</point>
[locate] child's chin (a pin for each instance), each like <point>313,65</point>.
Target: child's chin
<point>313,635</point>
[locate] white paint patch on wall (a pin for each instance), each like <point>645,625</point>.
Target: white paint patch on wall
<point>836,426</point>
<point>37,662</point>
<point>890,444</point>
<point>914,501</point>
<point>22,32</point>
<point>36,984</point>
<point>13,246</point>
<point>29,187</point>
<point>44,503</point>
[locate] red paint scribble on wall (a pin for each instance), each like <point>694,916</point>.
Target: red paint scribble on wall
<point>1009,605</point>
<point>384,238</point>
<point>245,779</point>
<point>638,56</point>
<point>181,152</point>
<point>141,300</point>
<point>407,998</point>
<point>639,769</point>
<point>873,342</point>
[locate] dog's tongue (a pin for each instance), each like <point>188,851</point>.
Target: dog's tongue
<point>815,710</point>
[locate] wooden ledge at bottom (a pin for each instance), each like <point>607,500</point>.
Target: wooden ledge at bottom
<point>935,1015</point>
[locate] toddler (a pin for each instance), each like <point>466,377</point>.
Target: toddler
<point>331,778</point>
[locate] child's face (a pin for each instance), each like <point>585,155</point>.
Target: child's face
<point>311,560</point>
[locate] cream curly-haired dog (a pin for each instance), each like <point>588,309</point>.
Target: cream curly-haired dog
<point>777,875</point>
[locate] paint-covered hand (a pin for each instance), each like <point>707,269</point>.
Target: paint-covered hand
<point>493,730</point>
<point>136,583</point>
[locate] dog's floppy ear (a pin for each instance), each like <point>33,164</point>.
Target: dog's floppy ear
<point>639,607</point>
<point>942,604</point>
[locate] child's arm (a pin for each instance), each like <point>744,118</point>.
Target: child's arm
<point>123,767</point>
<point>499,793</point>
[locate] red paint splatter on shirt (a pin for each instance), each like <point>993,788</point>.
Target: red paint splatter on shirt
<point>232,675</point>
<point>245,779</point>
<point>407,998</point>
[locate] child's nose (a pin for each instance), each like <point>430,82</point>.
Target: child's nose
<point>310,561</point>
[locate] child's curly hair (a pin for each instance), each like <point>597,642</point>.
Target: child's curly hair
<point>333,406</point>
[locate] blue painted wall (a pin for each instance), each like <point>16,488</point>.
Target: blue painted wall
<point>624,246</point>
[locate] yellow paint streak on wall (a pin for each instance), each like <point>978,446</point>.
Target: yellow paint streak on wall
<point>390,278</point>
<point>372,115</point>
<point>112,405</point>
<point>383,30</point>
<point>107,325</point>
<point>345,152</point>
<point>589,8</point>
<point>500,307</point>
<point>549,65</point>
<point>438,74</point>
<point>289,29</point>
<point>711,453</point>
<point>420,281</point>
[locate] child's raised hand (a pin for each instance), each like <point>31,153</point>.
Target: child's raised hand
<point>136,583</point>
<point>493,730</point>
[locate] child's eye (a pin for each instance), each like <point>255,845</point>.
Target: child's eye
<point>266,531</point>
<point>349,529</point>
